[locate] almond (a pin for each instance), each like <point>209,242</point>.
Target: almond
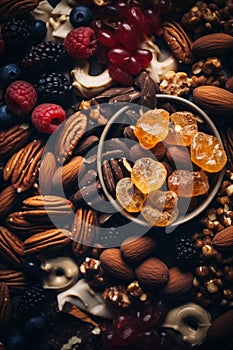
<point>152,272</point>
<point>222,327</point>
<point>215,44</point>
<point>223,240</point>
<point>113,263</point>
<point>214,99</point>
<point>136,249</point>
<point>68,174</point>
<point>178,282</point>
<point>47,170</point>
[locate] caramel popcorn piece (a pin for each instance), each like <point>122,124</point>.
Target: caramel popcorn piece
<point>177,84</point>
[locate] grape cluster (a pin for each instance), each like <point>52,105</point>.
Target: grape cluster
<point>141,330</point>
<point>120,37</point>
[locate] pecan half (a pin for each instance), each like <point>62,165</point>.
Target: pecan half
<point>46,172</point>
<point>4,307</point>
<point>9,199</point>
<point>47,241</point>
<point>178,41</point>
<point>70,135</point>
<point>13,139</point>
<point>12,8</point>
<point>14,279</point>
<point>83,230</point>
<point>68,174</point>
<point>23,167</point>
<point>11,247</point>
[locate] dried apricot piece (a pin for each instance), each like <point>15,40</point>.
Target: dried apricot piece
<point>148,174</point>
<point>182,128</point>
<point>152,127</point>
<point>207,152</point>
<point>129,196</point>
<point>188,183</point>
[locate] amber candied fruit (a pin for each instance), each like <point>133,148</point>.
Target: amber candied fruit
<point>130,198</point>
<point>188,183</point>
<point>183,126</point>
<point>207,152</point>
<point>152,127</point>
<point>159,218</point>
<point>148,175</point>
<point>162,199</point>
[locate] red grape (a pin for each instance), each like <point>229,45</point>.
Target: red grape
<point>102,54</point>
<point>146,318</point>
<point>128,36</point>
<point>123,8</point>
<point>118,55</point>
<point>120,75</point>
<point>153,21</point>
<point>136,18</point>
<point>143,57</point>
<point>121,321</point>
<point>98,25</point>
<point>107,38</point>
<point>126,336</point>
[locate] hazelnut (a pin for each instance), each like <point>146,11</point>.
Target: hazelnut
<point>211,287</point>
<point>228,293</point>
<point>202,271</point>
<point>228,273</point>
<point>208,251</point>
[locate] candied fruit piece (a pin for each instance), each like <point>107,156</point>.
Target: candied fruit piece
<point>159,218</point>
<point>152,127</point>
<point>185,127</point>
<point>148,174</point>
<point>129,196</point>
<point>207,152</point>
<point>188,183</point>
<point>163,199</point>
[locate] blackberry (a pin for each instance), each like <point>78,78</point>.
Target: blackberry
<point>54,88</point>
<point>44,58</point>
<point>31,301</point>
<point>17,33</point>
<point>185,250</point>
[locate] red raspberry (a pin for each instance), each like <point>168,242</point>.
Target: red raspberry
<point>47,116</point>
<point>20,97</point>
<point>81,43</point>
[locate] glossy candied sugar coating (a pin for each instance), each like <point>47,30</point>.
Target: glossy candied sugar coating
<point>163,199</point>
<point>207,152</point>
<point>183,126</point>
<point>188,183</point>
<point>129,196</point>
<point>152,127</point>
<point>148,175</point>
<point>159,218</point>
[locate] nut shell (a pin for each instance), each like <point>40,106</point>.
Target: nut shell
<point>152,272</point>
<point>113,263</point>
<point>136,249</point>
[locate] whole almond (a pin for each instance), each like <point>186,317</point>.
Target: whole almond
<point>136,249</point>
<point>178,282</point>
<point>68,174</point>
<point>152,272</point>
<point>215,44</point>
<point>223,240</point>
<point>221,327</point>
<point>113,263</point>
<point>214,99</point>
<point>47,170</point>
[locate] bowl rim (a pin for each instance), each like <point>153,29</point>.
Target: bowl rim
<point>188,216</point>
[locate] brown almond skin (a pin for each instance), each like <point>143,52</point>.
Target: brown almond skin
<point>152,272</point>
<point>215,44</point>
<point>214,99</point>
<point>229,84</point>
<point>221,327</point>
<point>223,240</point>
<point>178,282</point>
<point>113,263</point>
<point>136,249</point>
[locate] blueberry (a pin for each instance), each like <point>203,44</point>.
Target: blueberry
<point>39,31</point>
<point>81,16</point>
<point>9,73</point>
<point>35,326</point>
<point>32,271</point>
<point>16,342</point>
<point>7,119</point>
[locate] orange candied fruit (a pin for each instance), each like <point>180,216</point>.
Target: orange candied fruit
<point>182,128</point>
<point>188,183</point>
<point>207,152</point>
<point>152,127</point>
<point>130,198</point>
<point>148,175</point>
